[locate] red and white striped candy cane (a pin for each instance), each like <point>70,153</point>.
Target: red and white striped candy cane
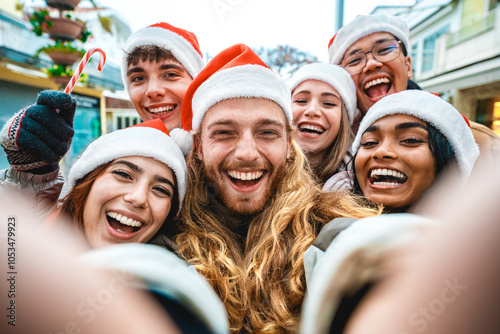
<point>82,64</point>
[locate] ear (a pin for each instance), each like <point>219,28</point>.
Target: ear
<point>197,145</point>
<point>408,65</point>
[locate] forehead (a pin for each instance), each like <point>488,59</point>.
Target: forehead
<point>368,41</point>
<point>243,112</point>
<point>315,86</point>
<point>393,120</point>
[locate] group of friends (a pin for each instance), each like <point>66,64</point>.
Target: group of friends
<point>258,184</point>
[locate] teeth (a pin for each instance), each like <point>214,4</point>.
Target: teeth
<point>312,128</point>
<point>161,109</point>
<point>123,219</point>
<point>388,172</point>
<point>386,183</point>
<point>245,176</point>
<point>376,82</point>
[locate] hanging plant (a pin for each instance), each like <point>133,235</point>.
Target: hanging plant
<point>61,53</point>
<point>40,21</point>
<point>62,71</point>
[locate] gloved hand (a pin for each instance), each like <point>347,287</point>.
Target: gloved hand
<point>37,137</point>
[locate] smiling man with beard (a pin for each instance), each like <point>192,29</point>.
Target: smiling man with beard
<point>374,50</point>
<point>252,209</point>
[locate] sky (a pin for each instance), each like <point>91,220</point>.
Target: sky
<point>305,24</point>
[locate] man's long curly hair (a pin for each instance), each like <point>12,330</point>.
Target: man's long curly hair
<point>261,283</point>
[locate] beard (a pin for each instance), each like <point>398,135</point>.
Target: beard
<point>244,204</point>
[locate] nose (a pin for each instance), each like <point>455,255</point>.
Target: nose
<point>384,151</point>
<point>371,63</point>
<point>137,195</point>
<point>155,89</point>
<point>247,148</point>
<point>312,109</point>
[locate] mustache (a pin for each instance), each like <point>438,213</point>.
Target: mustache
<point>245,165</point>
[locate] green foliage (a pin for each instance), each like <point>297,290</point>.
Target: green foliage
<point>62,47</point>
<point>64,71</point>
<point>40,20</point>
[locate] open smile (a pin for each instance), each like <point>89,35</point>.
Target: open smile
<point>121,226</point>
<point>310,129</point>
<point>386,177</point>
<point>245,179</point>
<point>377,88</point>
<point>162,110</point>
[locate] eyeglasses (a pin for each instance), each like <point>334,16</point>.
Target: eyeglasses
<point>383,52</point>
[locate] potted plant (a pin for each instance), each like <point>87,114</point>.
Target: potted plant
<point>62,53</point>
<point>61,75</point>
<point>63,4</point>
<point>59,28</point>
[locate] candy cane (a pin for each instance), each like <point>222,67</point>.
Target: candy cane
<point>82,64</point>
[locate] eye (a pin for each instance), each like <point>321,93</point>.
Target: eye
<point>386,49</point>
<point>300,101</point>
<point>137,78</point>
<point>122,174</point>
<point>369,143</point>
<point>163,191</point>
<point>330,104</point>
<point>221,134</point>
<point>171,75</point>
<point>353,61</point>
<point>413,141</point>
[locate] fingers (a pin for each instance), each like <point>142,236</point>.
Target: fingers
<point>49,120</point>
<point>60,101</point>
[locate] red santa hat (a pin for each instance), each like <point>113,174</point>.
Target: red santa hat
<point>236,72</point>
<point>434,110</point>
<point>333,75</point>
<point>364,25</point>
<point>149,139</point>
<point>182,43</point>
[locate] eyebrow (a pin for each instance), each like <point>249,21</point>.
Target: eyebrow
<point>263,121</point>
<point>378,41</point>
<point>138,69</point>
<point>140,170</point>
<point>400,126</point>
<point>305,91</point>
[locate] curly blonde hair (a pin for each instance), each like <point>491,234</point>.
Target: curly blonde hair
<point>261,282</point>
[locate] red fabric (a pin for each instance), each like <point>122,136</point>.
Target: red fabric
<point>187,35</point>
<point>331,41</point>
<point>154,123</point>
<point>236,55</point>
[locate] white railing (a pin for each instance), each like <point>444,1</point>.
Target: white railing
<point>472,29</point>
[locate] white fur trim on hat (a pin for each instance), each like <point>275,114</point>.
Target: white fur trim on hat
<point>182,50</point>
<point>434,110</point>
<point>365,25</point>
<point>183,139</point>
<point>333,75</point>
<point>251,81</point>
<point>133,141</point>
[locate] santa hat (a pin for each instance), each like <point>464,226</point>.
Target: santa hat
<point>333,75</point>
<point>364,25</point>
<point>148,139</point>
<point>434,110</point>
<point>236,72</point>
<point>182,43</point>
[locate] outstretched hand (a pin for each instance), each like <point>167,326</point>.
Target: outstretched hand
<point>37,137</point>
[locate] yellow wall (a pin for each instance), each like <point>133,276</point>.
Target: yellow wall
<point>10,7</point>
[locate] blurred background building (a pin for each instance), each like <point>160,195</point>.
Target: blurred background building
<point>455,52</point>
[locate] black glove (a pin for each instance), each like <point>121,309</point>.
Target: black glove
<point>37,137</point>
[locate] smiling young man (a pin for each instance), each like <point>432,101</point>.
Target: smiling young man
<point>159,63</point>
<point>374,50</point>
<point>252,208</point>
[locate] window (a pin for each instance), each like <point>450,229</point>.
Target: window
<point>429,48</point>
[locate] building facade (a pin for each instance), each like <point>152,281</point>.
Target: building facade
<point>455,52</point>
